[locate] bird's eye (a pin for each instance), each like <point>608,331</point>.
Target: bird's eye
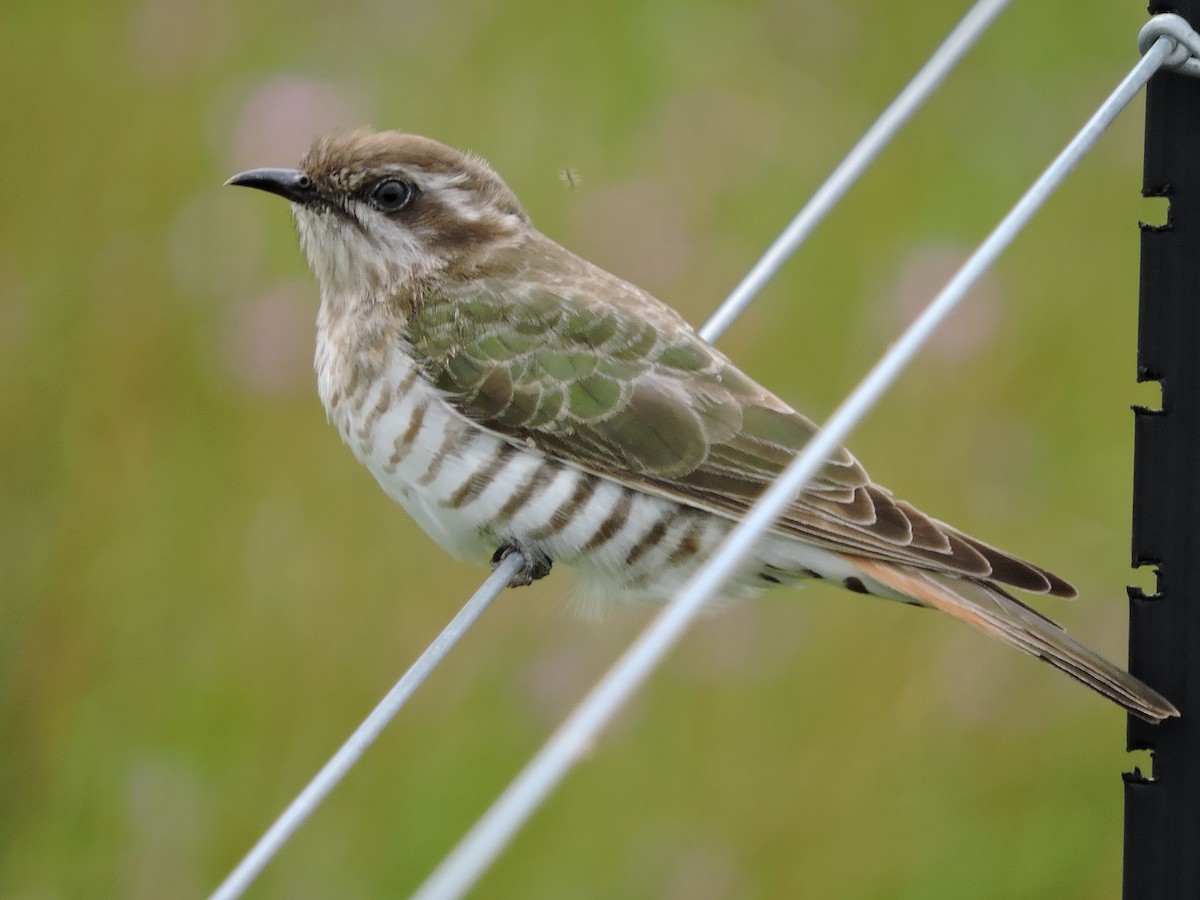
<point>393,195</point>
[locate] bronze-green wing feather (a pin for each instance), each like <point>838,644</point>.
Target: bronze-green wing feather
<point>599,374</point>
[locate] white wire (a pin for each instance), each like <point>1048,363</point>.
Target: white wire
<point>366,733</point>
<point>461,869</point>
<point>977,20</point>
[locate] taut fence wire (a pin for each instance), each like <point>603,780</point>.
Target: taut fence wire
<point>350,752</point>
<point>922,86</point>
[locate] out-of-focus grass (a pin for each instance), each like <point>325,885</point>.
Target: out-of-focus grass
<point>202,593</point>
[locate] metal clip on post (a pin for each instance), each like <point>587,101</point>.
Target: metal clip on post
<point>1185,57</point>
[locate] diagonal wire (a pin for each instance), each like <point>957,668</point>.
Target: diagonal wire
<point>978,19</point>
<point>366,733</point>
<point>927,80</point>
<point>462,868</point>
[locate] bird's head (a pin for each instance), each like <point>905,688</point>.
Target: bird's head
<point>381,213</point>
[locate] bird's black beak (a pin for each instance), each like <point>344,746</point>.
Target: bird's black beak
<point>291,184</point>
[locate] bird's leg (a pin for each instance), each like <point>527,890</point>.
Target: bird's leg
<point>537,563</point>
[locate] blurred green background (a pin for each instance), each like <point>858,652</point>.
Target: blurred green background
<point>202,593</point>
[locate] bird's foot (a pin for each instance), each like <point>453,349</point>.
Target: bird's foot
<point>536,562</point>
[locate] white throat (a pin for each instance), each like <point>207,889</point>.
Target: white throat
<point>360,257</point>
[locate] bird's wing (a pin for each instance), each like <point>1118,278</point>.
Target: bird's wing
<point>625,389</point>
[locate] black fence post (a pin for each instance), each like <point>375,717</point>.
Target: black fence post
<point>1162,808</point>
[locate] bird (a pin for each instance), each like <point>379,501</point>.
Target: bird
<point>514,397</point>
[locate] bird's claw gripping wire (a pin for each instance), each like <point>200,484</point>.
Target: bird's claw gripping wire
<point>537,562</point>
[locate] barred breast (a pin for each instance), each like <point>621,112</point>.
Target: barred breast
<point>472,490</point>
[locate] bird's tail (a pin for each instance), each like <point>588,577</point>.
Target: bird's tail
<point>996,612</point>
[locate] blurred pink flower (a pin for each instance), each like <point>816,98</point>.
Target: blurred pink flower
<point>268,339</point>
<point>637,230</point>
<point>925,272</point>
<point>279,120</point>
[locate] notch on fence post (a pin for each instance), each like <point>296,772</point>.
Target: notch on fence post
<point>1162,808</point>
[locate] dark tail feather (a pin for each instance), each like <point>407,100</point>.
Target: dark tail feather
<point>999,614</point>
